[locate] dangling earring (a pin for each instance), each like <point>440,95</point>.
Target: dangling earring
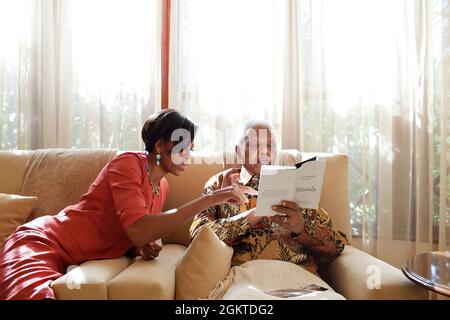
<point>158,159</point>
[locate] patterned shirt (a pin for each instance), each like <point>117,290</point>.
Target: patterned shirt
<point>318,243</point>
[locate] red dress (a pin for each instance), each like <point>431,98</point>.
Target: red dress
<point>40,251</point>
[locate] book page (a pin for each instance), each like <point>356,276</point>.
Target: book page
<point>276,184</point>
<point>309,184</point>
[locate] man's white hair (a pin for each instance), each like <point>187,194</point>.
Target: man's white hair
<point>251,124</point>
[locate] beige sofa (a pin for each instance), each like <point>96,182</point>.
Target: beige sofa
<point>126,278</point>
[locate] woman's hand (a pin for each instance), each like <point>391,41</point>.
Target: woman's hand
<point>252,219</point>
<point>250,215</point>
<point>233,194</point>
<point>290,216</point>
<point>150,251</point>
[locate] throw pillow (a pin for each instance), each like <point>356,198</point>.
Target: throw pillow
<point>14,210</point>
<point>207,261</point>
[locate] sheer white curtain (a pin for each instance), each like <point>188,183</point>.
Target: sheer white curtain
<point>364,77</point>
<point>382,96</point>
<point>226,65</point>
<point>78,73</point>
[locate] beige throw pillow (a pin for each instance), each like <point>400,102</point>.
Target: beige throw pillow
<point>14,210</point>
<point>206,261</point>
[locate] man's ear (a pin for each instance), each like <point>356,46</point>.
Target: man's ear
<point>239,156</point>
<point>237,149</point>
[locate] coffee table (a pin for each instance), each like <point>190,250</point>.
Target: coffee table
<point>430,270</point>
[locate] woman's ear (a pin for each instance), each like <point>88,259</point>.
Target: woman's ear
<point>158,146</point>
<point>163,147</point>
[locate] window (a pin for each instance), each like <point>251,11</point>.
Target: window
<point>79,73</point>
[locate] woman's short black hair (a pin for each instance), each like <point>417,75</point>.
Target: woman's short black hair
<point>162,124</point>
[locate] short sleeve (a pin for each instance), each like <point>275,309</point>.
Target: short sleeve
<point>125,180</point>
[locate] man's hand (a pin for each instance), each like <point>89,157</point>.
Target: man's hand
<point>290,216</point>
<point>150,251</point>
<point>229,177</point>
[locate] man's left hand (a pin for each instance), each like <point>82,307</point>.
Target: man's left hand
<point>290,217</point>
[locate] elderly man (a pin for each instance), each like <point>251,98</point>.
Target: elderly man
<point>306,236</point>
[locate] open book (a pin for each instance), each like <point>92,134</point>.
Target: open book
<point>301,183</point>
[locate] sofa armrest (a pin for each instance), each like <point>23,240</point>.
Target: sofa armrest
<point>355,275</point>
<point>89,281</point>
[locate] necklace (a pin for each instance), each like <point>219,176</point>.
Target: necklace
<point>156,192</point>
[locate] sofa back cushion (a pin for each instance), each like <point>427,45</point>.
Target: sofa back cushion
<point>335,197</point>
<point>59,177</point>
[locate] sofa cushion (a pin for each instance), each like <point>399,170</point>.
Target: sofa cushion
<point>354,272</point>
<point>59,177</point>
<point>148,280</point>
<point>272,279</point>
<point>89,281</point>
<point>14,210</point>
<point>207,261</point>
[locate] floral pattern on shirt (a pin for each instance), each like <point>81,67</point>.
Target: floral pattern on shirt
<point>318,243</point>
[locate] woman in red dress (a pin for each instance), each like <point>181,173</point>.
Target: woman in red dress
<point>121,210</point>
